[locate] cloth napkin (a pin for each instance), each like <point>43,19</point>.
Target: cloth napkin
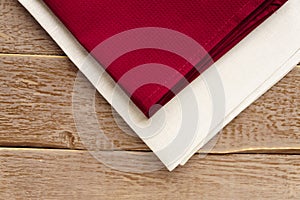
<point>248,70</point>
<point>216,25</point>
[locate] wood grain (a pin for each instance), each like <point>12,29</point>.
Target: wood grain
<point>21,34</point>
<point>60,174</point>
<point>36,111</point>
<point>36,85</point>
<point>30,103</point>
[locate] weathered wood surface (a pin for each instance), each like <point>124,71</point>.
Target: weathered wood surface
<point>21,34</point>
<point>61,174</point>
<point>42,155</point>
<point>36,111</point>
<point>37,89</point>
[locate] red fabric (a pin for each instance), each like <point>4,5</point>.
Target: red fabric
<point>217,25</point>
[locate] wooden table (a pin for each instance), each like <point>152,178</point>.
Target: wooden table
<point>42,156</point>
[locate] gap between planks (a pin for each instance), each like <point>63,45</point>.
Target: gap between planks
<point>47,56</point>
<point>271,151</point>
<point>31,55</point>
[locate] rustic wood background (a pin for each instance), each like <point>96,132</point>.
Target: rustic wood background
<point>257,156</point>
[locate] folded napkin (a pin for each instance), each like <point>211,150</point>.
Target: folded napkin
<point>153,65</point>
<point>248,70</point>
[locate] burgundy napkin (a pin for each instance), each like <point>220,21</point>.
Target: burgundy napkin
<point>152,48</point>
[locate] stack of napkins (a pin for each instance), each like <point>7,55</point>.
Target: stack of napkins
<point>176,71</point>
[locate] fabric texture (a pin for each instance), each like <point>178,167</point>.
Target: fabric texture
<point>216,25</point>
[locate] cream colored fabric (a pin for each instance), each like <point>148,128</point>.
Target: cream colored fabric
<point>246,72</point>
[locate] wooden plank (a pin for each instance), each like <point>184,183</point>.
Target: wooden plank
<point>36,111</point>
<point>21,34</point>
<point>60,174</point>
<point>36,104</point>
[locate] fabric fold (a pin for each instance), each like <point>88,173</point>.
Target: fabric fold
<point>154,74</point>
<point>247,71</point>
